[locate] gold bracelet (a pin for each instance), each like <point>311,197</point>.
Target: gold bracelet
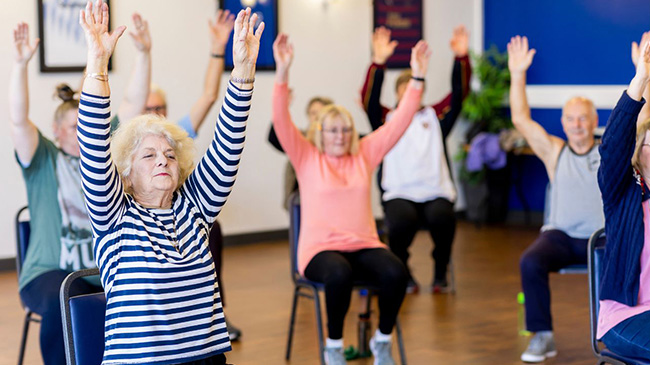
<point>101,76</point>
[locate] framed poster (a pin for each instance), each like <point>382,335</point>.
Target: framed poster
<point>267,12</point>
<point>63,46</point>
<point>404,19</point>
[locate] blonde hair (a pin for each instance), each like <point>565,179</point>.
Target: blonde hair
<point>156,89</point>
<point>315,131</point>
<point>641,130</point>
<point>318,99</point>
<point>129,135</point>
<point>403,78</point>
<point>68,101</point>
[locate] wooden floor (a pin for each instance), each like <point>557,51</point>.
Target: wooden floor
<point>478,325</point>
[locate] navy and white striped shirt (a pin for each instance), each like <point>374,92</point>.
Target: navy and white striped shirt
<point>163,302</point>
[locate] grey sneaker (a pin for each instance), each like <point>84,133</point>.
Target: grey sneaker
<point>382,352</point>
<point>540,347</point>
<point>334,356</point>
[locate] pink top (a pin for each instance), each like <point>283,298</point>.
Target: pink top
<point>336,214</point>
<point>612,312</point>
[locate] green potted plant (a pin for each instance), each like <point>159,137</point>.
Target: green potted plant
<point>486,191</point>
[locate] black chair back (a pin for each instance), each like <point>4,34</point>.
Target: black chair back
<point>294,233</point>
<point>596,250</point>
<point>22,237</point>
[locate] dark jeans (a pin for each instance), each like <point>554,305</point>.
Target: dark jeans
<point>631,338</point>
<point>215,242</point>
<point>552,251</point>
<point>41,295</point>
<point>213,360</point>
<point>404,218</point>
<point>377,267</point>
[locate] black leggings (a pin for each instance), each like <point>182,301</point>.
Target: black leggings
<point>404,218</point>
<point>377,267</point>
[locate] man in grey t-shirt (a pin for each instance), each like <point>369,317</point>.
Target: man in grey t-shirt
<point>575,210</point>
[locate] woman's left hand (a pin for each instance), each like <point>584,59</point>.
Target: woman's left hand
<point>101,42</point>
<point>246,44</point>
<point>420,55</point>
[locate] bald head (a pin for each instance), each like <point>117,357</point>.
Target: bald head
<point>579,120</point>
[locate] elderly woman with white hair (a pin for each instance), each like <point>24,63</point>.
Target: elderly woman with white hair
<point>151,211</point>
<point>338,241</point>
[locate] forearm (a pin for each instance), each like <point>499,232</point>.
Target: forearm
<point>450,108</point>
<point>137,90</point>
<point>371,95</point>
<point>96,80</point>
<point>519,108</point>
<point>290,138</point>
<point>208,97</point>
<point>18,95</point>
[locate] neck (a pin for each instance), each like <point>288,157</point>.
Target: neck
<point>582,147</point>
<point>155,200</point>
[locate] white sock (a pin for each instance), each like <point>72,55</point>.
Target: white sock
<point>334,343</point>
<point>380,337</point>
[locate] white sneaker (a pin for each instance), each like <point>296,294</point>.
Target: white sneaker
<point>334,356</point>
<point>540,347</point>
<point>382,352</point>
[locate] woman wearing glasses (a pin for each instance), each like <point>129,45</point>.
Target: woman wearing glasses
<point>338,238</point>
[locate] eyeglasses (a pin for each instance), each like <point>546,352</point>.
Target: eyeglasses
<point>157,109</point>
<point>345,130</point>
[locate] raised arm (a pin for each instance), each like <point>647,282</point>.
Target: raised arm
<point>382,49</point>
<point>449,108</point>
<point>377,144</point>
<point>619,139</point>
<point>137,90</point>
<point>211,182</point>
<point>220,29</point>
<point>101,183</point>
<point>291,139</point>
<point>545,146</point>
<point>23,132</point>
<point>636,53</point>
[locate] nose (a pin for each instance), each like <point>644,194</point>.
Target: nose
<point>162,160</point>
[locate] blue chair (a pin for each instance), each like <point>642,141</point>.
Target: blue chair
<point>83,322</point>
<point>22,243</point>
<point>309,289</point>
<point>595,263</point>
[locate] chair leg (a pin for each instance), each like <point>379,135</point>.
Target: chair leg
<point>23,341</point>
<point>319,325</point>
<point>292,321</point>
<point>400,342</point>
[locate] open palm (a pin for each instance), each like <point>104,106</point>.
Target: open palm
<point>519,56</point>
<point>94,21</point>
<point>246,43</point>
<point>23,50</point>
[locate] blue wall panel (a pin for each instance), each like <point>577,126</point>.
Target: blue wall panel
<point>578,42</point>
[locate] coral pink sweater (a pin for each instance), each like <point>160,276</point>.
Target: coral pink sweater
<point>336,213</point>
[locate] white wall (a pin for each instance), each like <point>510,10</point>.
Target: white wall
<point>332,54</point>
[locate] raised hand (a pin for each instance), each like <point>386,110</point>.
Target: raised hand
<point>23,50</point>
<point>101,43</point>
<point>459,42</point>
<point>420,55</point>
<point>220,29</point>
<point>519,56</point>
<point>246,44</point>
<point>636,47</point>
<point>643,62</point>
<point>282,52</point>
<point>382,46</point>
<point>141,37</point>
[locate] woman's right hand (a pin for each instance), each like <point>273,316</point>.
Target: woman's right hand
<point>282,53</point>
<point>420,55</point>
<point>101,43</point>
<point>23,50</point>
<point>246,44</point>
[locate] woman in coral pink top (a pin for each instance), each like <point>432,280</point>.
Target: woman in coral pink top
<point>338,241</point>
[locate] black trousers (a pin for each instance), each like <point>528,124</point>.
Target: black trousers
<point>404,218</point>
<point>212,360</point>
<point>340,270</point>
